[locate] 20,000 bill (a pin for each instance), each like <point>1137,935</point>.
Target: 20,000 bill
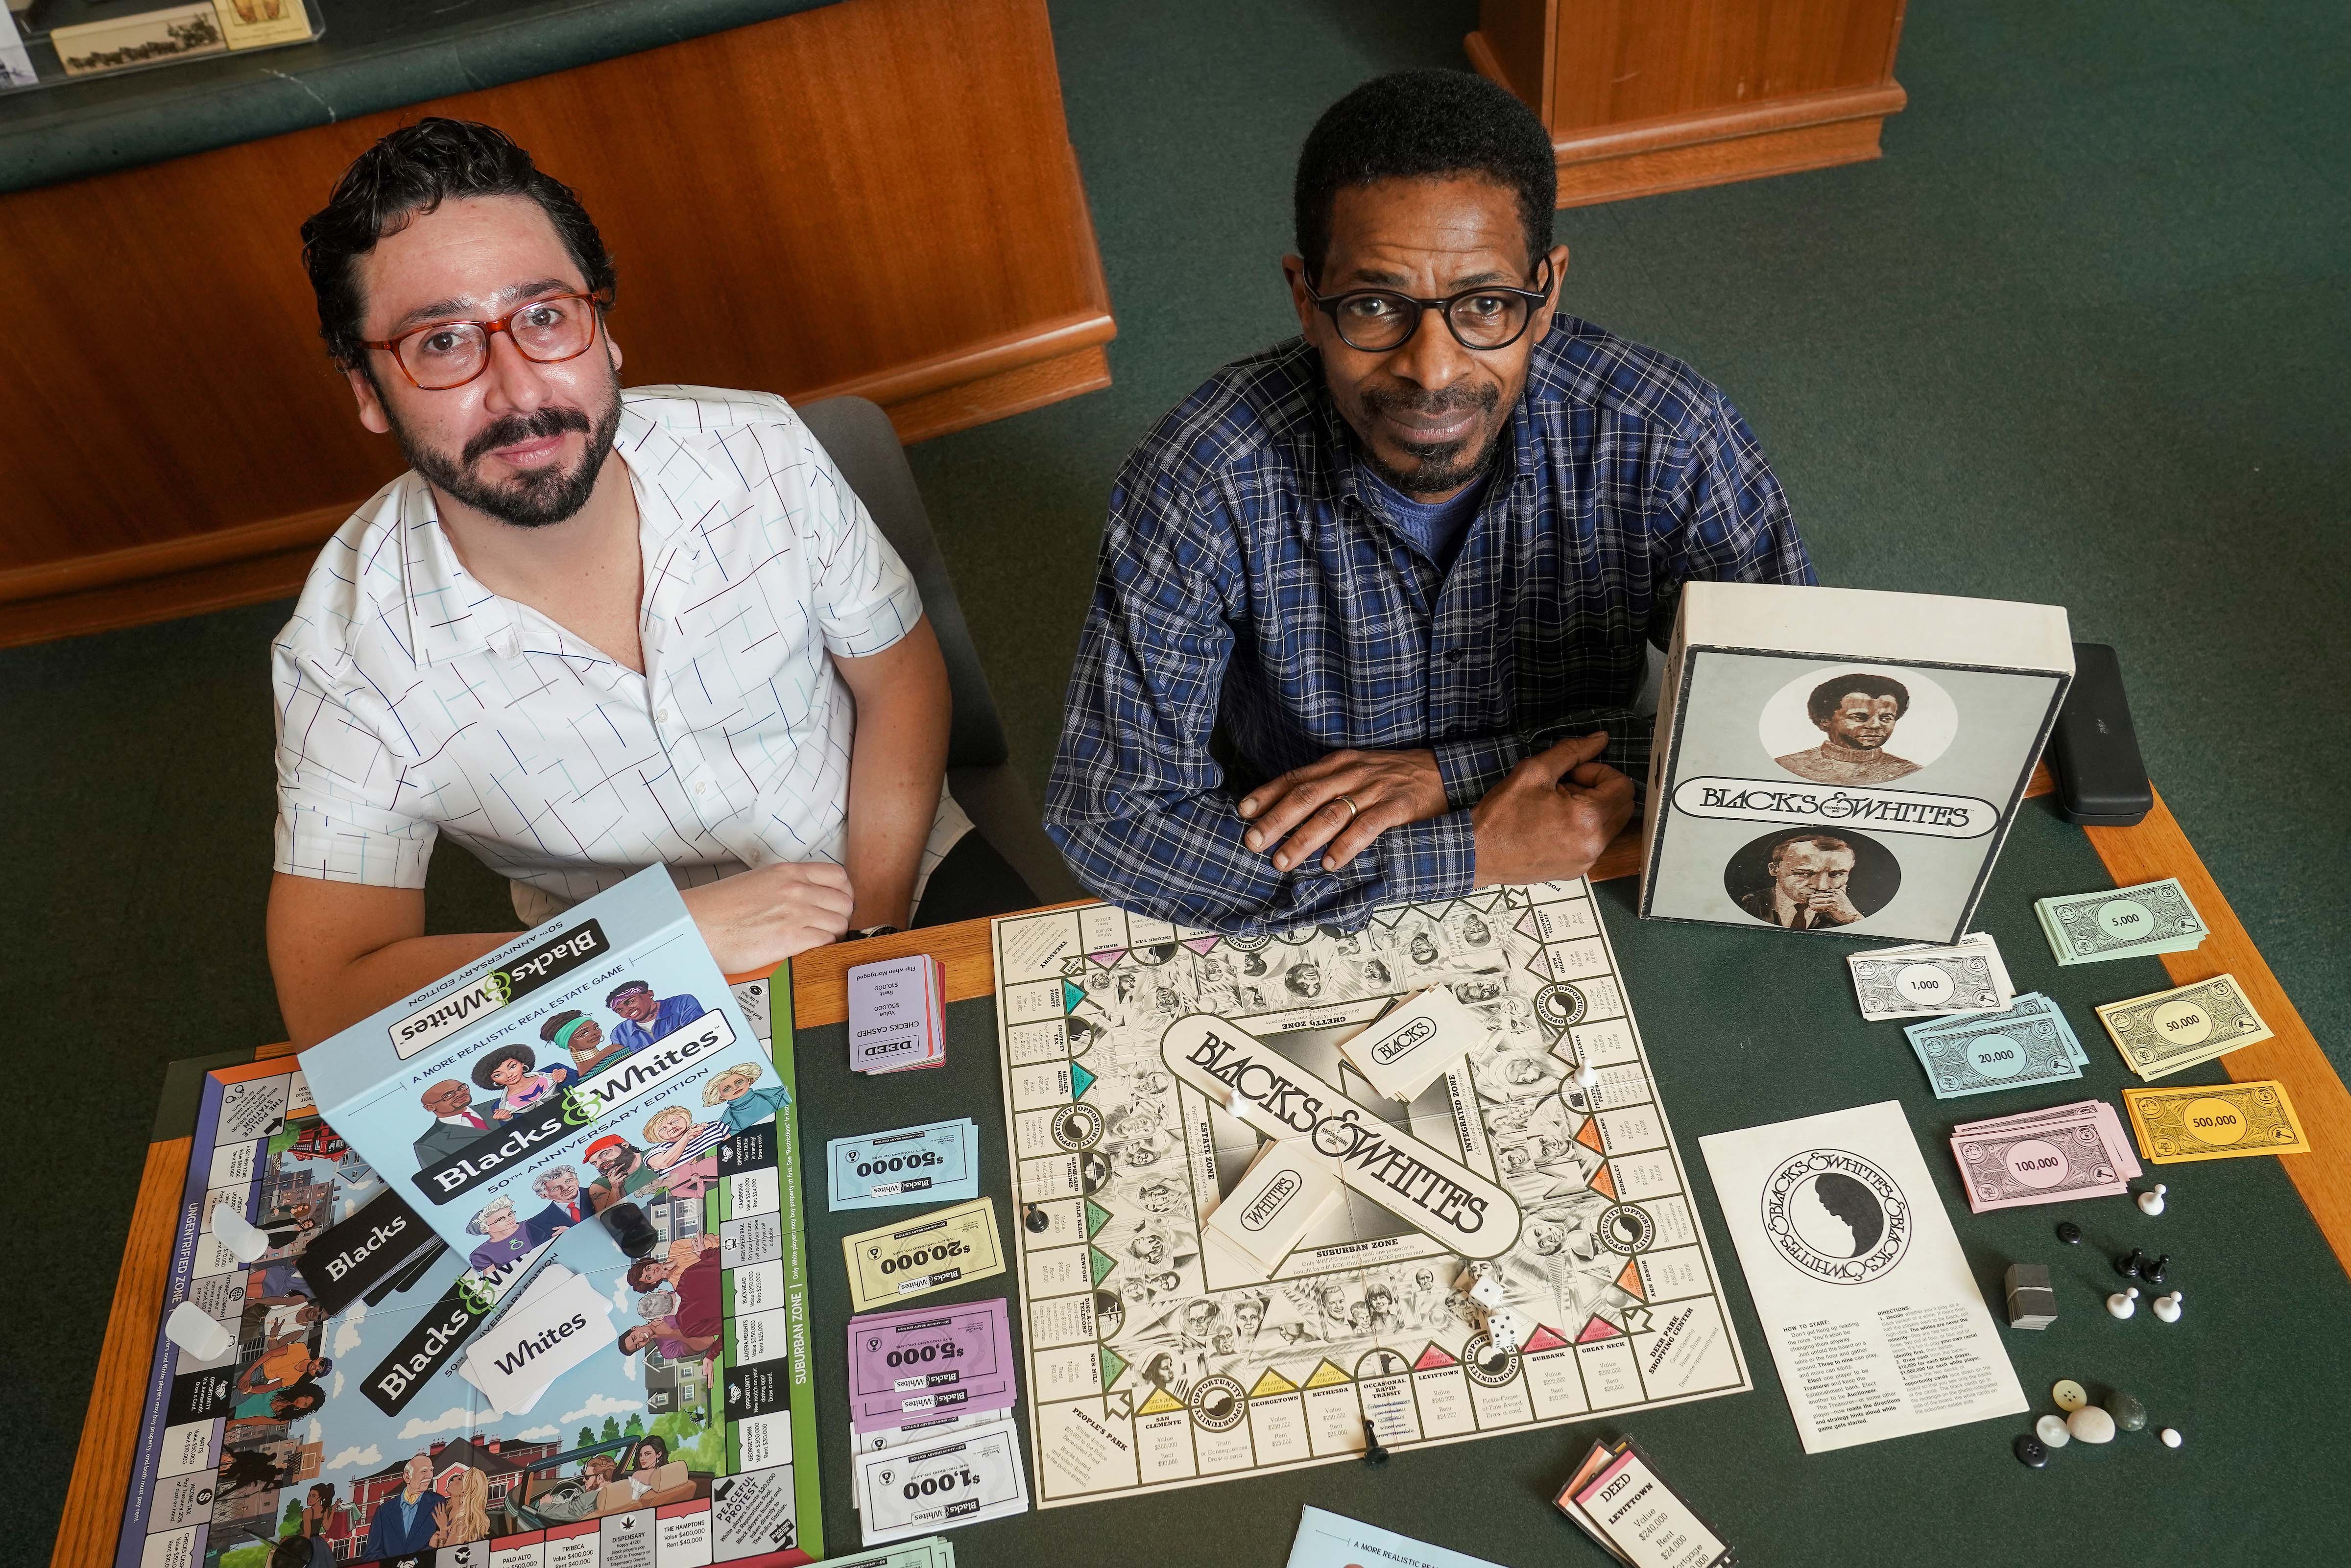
<point>940,1249</point>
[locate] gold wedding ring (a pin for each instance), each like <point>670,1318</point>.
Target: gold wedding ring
<point>1354,810</point>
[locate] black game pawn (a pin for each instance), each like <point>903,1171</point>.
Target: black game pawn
<point>1035,1218</point>
<point>2153,1272</point>
<point>633,1233</point>
<point>1373,1453</point>
<point>2129,1264</point>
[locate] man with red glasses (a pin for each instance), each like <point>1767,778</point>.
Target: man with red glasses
<point>1403,567</point>
<point>588,631</point>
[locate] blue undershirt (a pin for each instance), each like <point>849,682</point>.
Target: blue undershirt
<point>1435,528</point>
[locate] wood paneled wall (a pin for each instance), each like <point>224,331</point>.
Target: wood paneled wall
<point>877,197</point>
<point>1643,96</point>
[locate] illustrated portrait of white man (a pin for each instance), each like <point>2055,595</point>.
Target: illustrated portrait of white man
<point>1803,880</point>
<point>1858,726</point>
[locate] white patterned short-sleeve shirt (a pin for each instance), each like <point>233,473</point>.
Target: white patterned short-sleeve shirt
<point>412,701</point>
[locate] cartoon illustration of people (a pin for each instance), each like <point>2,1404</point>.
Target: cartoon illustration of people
<point>674,1343</point>
<point>583,1037</point>
<point>509,1070</point>
<point>288,1225</point>
<point>508,1239</point>
<point>621,1171</point>
<point>457,1123</point>
<point>645,1018</point>
<point>1249,1337</point>
<point>688,1269</point>
<point>566,1204</point>
<point>463,1513</point>
<point>672,1137</point>
<point>745,1106</point>
<point>323,1525</point>
<point>1162,1373</point>
<point>403,1521</point>
<point>282,1364</point>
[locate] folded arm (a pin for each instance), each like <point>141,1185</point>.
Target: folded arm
<point>1137,804</point>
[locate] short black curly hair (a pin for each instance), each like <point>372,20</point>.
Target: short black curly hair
<point>1424,124</point>
<point>413,171</point>
<point>1836,688</point>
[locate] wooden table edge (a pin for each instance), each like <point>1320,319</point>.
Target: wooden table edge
<point>2155,848</point>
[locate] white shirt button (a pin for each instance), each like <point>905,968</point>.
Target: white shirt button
<point>661,716</point>
<point>703,787</point>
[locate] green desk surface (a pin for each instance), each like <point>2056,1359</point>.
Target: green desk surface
<point>375,55</point>
<point>1747,1028</point>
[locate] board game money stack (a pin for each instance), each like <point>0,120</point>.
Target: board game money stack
<point>606,1037</point>
<point>1844,760</point>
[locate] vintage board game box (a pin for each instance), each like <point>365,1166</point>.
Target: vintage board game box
<point>606,1038</point>
<point>1841,760</point>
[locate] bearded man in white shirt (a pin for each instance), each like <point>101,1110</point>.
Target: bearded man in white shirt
<point>588,631</point>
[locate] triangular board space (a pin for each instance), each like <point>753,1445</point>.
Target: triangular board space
<point>1324,1375</point>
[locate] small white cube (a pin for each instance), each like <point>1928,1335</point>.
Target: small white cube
<point>1488,1292</point>
<point>1506,1328</point>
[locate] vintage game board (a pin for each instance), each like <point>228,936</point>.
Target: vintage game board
<point>686,1449</point>
<point>1156,1361</point>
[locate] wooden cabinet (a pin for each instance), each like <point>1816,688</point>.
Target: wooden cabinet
<point>875,197</point>
<point>1643,96</point>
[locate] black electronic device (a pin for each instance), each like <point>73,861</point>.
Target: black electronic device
<point>2093,749</point>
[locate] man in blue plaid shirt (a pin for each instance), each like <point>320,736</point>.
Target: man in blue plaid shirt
<point>1401,570</point>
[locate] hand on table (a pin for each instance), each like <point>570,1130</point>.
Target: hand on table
<point>1312,805</point>
<point>1551,815</point>
<point>759,917</point>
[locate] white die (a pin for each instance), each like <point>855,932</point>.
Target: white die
<point>1487,1293</point>
<point>1506,1328</point>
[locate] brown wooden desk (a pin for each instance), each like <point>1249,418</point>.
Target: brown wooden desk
<point>2156,848</point>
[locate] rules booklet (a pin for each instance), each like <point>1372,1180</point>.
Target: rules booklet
<point>604,1043</point>
<point>1841,760</point>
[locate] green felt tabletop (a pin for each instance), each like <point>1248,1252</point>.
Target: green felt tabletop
<point>1748,1027</point>
<point>375,55</point>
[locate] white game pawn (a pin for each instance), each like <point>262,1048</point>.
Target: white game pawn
<point>1586,1075</point>
<point>2123,1302</point>
<point>2152,1202</point>
<point>2166,1307</point>
<point>244,1239</point>
<point>197,1331</point>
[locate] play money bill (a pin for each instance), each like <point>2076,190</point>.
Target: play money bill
<point>2153,917</point>
<point>2215,1121</point>
<point>931,1552</point>
<point>933,1163</point>
<point>941,1248</point>
<point>1925,983</point>
<point>906,1492</point>
<point>2028,1044</point>
<point>2009,1170</point>
<point>937,1360</point>
<point>2169,1031</point>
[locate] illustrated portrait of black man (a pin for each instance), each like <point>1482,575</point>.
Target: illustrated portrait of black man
<point>1856,715</point>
